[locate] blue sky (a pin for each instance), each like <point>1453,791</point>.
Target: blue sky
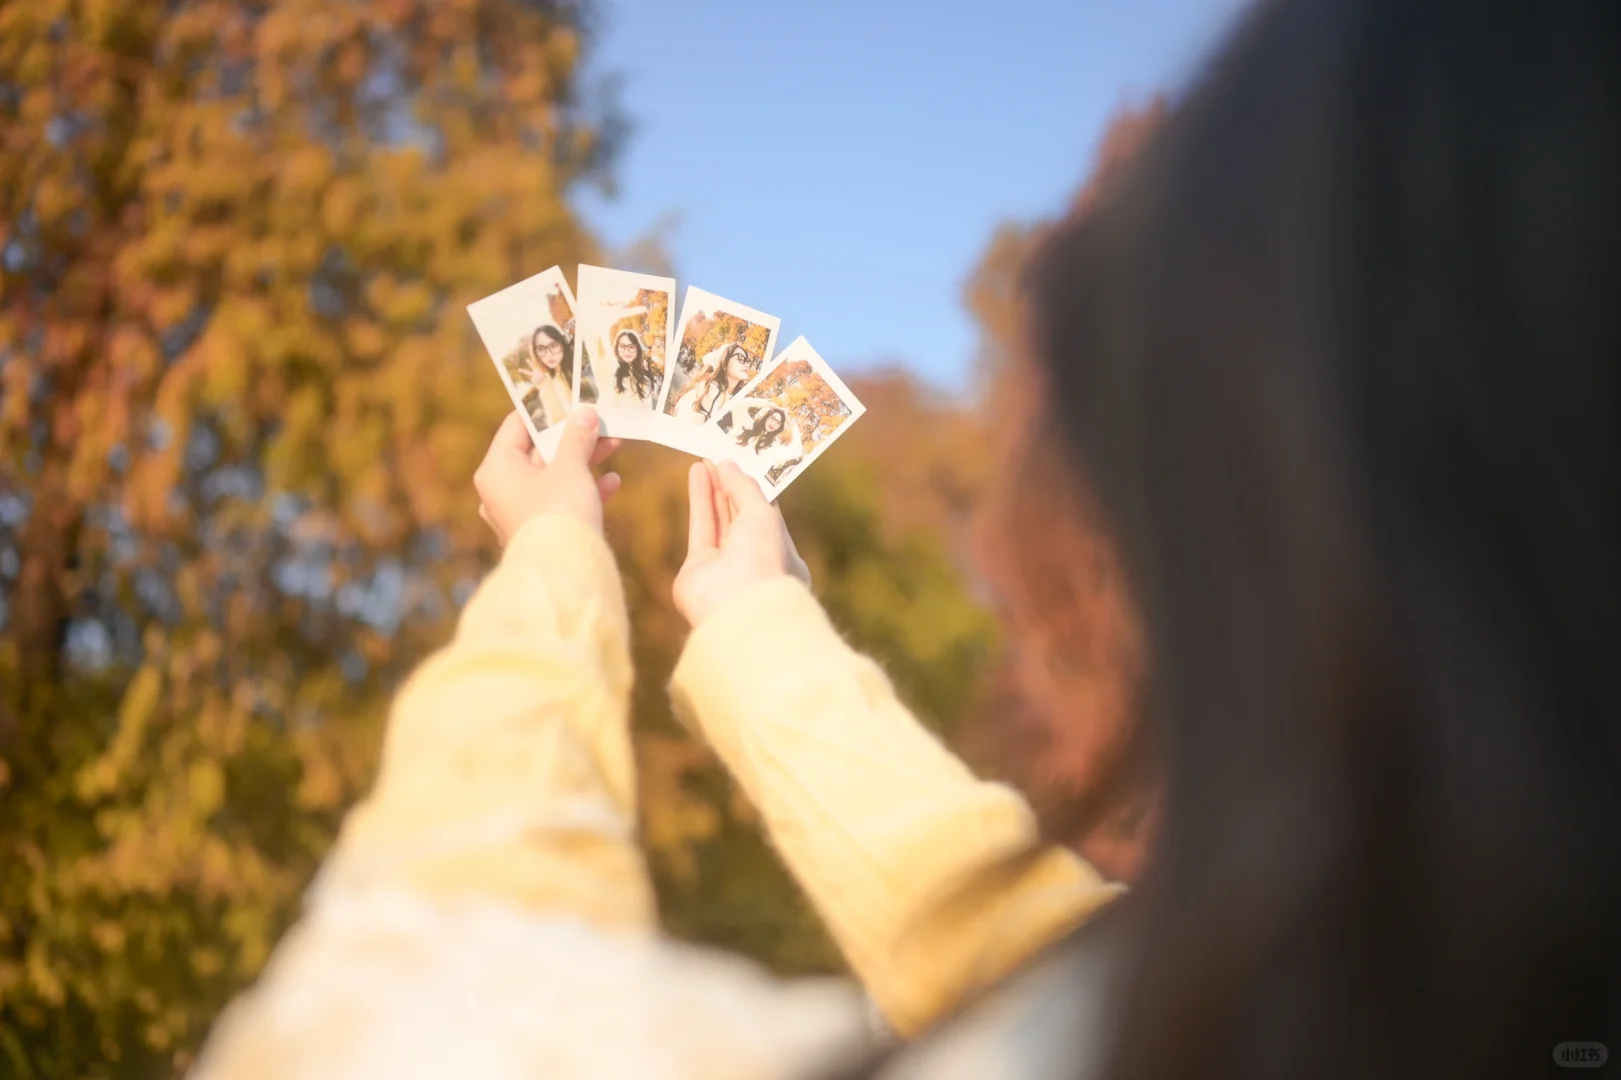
<point>842,164</point>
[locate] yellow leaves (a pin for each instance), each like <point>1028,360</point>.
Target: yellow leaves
<point>14,380</point>
<point>208,804</point>
<point>223,368</point>
<point>563,42</point>
<point>400,303</point>
<point>364,338</point>
<point>292,459</point>
<point>42,977</point>
<point>249,928</point>
<point>87,467</point>
<point>351,63</point>
<point>208,245</point>
<point>105,20</point>
<point>360,448</point>
<point>54,198</point>
<point>141,700</point>
<point>109,936</point>
<point>305,170</point>
<point>133,354</point>
<point>33,71</point>
<point>341,205</point>
<point>205,782</point>
<point>169,307</point>
<point>672,818</point>
<point>321,785</point>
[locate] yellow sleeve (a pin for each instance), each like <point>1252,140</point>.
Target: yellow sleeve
<point>506,771</point>
<point>932,882</point>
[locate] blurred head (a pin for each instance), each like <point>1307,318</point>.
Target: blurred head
<point>1066,721</point>
<point>774,420</point>
<point>549,347</point>
<point>1337,358</point>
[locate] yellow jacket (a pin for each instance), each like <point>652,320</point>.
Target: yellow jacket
<point>486,911</point>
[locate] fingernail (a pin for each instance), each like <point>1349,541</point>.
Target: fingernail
<point>586,416</point>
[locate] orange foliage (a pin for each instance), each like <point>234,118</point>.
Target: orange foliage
<point>800,389</point>
<point>705,333</point>
<point>562,314</point>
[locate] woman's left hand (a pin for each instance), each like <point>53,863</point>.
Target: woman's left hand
<point>515,484</point>
<point>735,539</point>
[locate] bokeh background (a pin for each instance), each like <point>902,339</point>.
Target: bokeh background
<point>241,403</point>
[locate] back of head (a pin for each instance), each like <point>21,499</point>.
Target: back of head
<point>1338,355</point>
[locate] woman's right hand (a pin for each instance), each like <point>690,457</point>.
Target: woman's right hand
<point>514,484</point>
<point>735,539</point>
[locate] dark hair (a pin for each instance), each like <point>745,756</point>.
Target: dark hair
<point>757,432</point>
<point>637,370</point>
<point>568,347</point>
<point>1339,354</point>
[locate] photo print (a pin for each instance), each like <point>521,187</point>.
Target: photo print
<point>528,330</point>
<point>787,417</point>
<point>623,341</point>
<point>720,347</point>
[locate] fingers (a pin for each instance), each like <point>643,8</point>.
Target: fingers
<point>703,527</point>
<point>724,508</point>
<point>787,536</point>
<point>484,512</point>
<point>512,437</point>
<point>580,440</point>
<point>796,564</point>
<point>608,484</point>
<point>604,450</point>
<point>743,491</point>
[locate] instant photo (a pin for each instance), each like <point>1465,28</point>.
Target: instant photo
<point>622,346</point>
<point>721,346</point>
<point>528,330</point>
<point>786,418</point>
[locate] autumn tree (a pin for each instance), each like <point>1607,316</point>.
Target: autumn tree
<point>706,333</point>
<point>240,404</point>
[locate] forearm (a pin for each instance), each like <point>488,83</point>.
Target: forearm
<point>506,770</point>
<point>932,882</point>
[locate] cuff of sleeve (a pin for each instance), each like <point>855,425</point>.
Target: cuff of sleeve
<point>555,566</point>
<point>551,537</point>
<point>728,660</point>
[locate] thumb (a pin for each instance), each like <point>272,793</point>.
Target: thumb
<point>580,440</point>
<point>744,491</point>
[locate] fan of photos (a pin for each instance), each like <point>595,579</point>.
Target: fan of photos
<point>709,383</point>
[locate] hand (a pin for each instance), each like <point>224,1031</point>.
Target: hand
<point>515,484</point>
<point>735,539</point>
